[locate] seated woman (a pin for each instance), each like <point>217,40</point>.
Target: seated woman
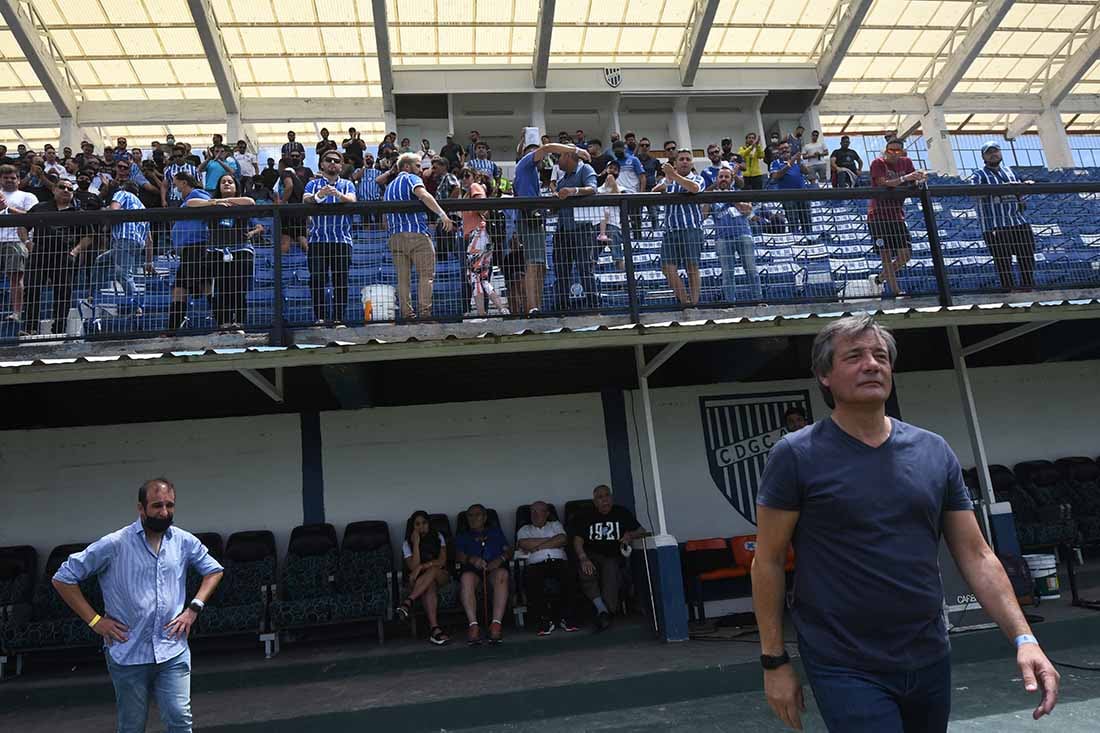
<point>425,554</point>
<point>234,256</point>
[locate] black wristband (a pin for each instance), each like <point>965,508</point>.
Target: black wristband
<point>769,662</point>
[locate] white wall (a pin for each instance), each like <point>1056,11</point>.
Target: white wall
<point>77,484</point>
<point>1040,411</point>
<point>385,463</point>
<point>1043,411</point>
<point>694,506</point>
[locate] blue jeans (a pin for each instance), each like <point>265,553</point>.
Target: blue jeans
<point>170,684</point>
<point>124,257</point>
<point>893,701</point>
<point>729,252</point>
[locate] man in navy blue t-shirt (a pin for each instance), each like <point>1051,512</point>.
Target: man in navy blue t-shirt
<point>483,551</point>
<point>864,499</point>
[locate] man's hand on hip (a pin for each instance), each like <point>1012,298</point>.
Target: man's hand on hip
<point>783,690</point>
<point>111,630</point>
<point>180,626</point>
<point>1039,674</point>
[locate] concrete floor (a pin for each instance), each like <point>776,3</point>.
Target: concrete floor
<point>988,696</point>
<point>618,681</point>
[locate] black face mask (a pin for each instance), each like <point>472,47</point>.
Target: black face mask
<point>157,524</point>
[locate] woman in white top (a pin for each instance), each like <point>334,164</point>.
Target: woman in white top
<point>425,554</point>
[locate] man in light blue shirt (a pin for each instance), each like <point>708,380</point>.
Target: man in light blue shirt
<point>733,239</point>
<point>146,619</point>
<point>575,240</point>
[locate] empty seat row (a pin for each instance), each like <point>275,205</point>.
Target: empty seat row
<point>1053,502</point>
<point>719,567</point>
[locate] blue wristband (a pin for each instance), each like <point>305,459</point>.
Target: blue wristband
<point>1025,639</point>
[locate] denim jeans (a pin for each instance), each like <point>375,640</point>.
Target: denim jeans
<point>124,257</point>
<point>169,682</point>
<point>575,246</point>
<point>729,252</point>
<point>798,217</point>
<point>615,243</point>
<point>892,701</point>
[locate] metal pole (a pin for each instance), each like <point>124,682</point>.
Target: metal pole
<point>628,254</point>
<point>647,409</point>
<point>277,335</point>
<point>934,244</point>
<point>973,428</point>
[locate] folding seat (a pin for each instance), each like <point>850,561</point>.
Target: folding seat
<point>306,589</point>
<point>575,507</point>
<point>1052,517</point>
<point>704,563</point>
<point>47,622</point>
<point>1082,481</point>
<point>241,602</point>
<point>364,576</point>
<point>744,551</point>
<point>492,519</point>
<point>18,566</point>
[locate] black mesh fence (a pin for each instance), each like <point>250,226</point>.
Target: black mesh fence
<point>265,268</point>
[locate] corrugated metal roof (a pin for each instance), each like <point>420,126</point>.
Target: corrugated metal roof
<point>468,338</point>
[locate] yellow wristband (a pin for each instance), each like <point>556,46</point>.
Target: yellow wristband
<point>94,621</point>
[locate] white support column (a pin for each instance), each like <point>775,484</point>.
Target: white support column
<point>538,112</point>
<point>1052,133</point>
<point>613,123</point>
<point>973,427</point>
<point>72,134</point>
<point>811,119</point>
<point>450,114</point>
<point>941,158</point>
<point>234,131</point>
<point>647,410</point>
<point>391,120</point>
<point>678,128</point>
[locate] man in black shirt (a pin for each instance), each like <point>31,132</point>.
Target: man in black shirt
<point>354,147</point>
<point>846,164</point>
<point>599,537</point>
<point>600,159</point>
<point>53,252</point>
<point>269,176</point>
<point>324,144</point>
<point>452,152</point>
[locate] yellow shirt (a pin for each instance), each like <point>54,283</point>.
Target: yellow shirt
<point>753,156</point>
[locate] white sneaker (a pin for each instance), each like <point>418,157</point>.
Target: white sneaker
<point>876,284</point>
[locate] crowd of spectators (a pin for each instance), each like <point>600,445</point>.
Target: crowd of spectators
<point>216,255</point>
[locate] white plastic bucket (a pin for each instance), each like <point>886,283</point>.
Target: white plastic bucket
<point>1044,571</point>
<point>382,300</point>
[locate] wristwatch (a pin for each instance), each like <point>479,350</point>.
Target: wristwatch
<point>196,605</point>
<point>769,662</point>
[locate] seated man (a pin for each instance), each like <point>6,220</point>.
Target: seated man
<point>483,552</point>
<point>545,542</point>
<point>599,536</point>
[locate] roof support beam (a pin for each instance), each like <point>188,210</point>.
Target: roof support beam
<point>544,29</point>
<point>274,391</point>
<point>53,76</point>
<point>847,24</point>
<point>1058,86</point>
<point>962,56</point>
<point>382,45</point>
<point>695,39</point>
<point>217,55</point>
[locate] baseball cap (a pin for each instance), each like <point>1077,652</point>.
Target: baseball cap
<point>990,145</point>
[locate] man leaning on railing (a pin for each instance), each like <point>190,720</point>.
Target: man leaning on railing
<point>1004,228</point>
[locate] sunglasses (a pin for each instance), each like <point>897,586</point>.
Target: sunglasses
<point>467,175</point>
<point>65,188</point>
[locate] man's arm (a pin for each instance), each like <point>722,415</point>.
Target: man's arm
<point>985,575</point>
<point>428,200</point>
<point>559,149</point>
<point>79,566</point>
<point>774,530</point>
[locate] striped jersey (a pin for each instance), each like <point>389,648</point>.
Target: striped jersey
<point>331,228</point>
<point>133,230</point>
<point>170,172</point>
<point>486,166</point>
<point>368,188</point>
<point>997,212</point>
<point>401,189</point>
<point>683,216</point>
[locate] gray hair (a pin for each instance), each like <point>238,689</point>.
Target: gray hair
<point>849,327</point>
<point>406,159</point>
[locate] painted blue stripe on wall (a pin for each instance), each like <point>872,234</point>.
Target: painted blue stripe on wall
<point>618,446</point>
<point>313,475</point>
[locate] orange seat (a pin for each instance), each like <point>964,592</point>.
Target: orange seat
<point>710,559</point>
<point>744,550</point>
<point>724,573</point>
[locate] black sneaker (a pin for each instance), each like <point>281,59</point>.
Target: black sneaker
<point>439,637</point>
<point>546,627</point>
<point>603,621</point>
<point>567,626</point>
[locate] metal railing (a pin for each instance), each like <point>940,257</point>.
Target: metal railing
<point>246,269</point>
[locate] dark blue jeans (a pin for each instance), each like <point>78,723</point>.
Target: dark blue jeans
<point>894,701</point>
